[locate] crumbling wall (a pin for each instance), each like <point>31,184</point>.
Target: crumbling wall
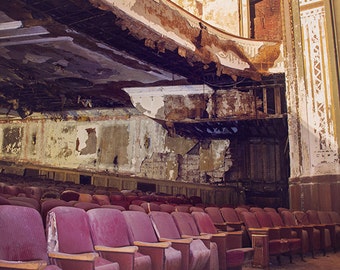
<point>119,141</point>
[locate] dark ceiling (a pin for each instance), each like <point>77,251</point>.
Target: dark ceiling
<point>67,54</point>
<point>58,55</point>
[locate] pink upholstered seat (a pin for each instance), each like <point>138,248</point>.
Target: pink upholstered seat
<point>269,209</point>
<point>187,227</point>
<point>111,239</point>
<point>229,244</point>
<point>142,234</point>
<point>70,243</point>
<point>48,204</point>
<point>217,218</point>
<point>183,208</point>
<point>150,206</point>
<point>314,234</point>
<point>232,219</point>
<point>195,254</point>
<point>277,246</point>
<point>273,219</point>
<point>325,218</point>
<point>86,205</point>
<point>327,230</point>
<point>169,208</point>
<point>22,238</point>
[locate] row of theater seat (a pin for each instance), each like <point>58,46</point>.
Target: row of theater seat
<point>290,231</point>
<point>281,238</point>
<point>28,191</point>
<point>315,230</point>
<point>104,238</point>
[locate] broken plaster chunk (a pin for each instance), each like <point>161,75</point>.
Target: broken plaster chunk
<point>182,52</point>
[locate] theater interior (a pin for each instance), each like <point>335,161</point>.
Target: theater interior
<point>188,118</point>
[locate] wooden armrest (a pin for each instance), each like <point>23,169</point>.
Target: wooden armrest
<point>128,249</point>
<point>220,223</point>
<point>183,241</point>
<point>202,237</point>
<point>220,234</point>
<point>156,245</point>
<point>29,265</point>
<point>263,231</point>
<point>234,222</point>
<point>296,227</point>
<point>232,233</point>
<point>319,226</point>
<point>77,257</point>
<point>307,226</point>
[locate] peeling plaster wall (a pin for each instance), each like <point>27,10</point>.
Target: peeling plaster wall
<point>175,103</point>
<point>219,13</point>
<point>119,141</point>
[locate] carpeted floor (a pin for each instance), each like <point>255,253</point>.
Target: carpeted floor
<point>329,262</point>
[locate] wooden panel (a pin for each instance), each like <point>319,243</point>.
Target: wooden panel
<point>306,197</point>
<point>114,182</point>
<point>129,184</point>
<point>335,196</point>
<point>59,176</point>
<point>72,177</point>
<point>99,181</point>
<point>261,251</point>
<point>295,197</point>
<point>325,198</point>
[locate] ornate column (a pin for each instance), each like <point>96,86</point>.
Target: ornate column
<point>312,93</point>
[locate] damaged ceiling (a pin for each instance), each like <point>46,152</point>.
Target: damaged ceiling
<point>60,55</point>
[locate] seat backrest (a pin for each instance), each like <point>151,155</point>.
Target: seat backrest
<point>150,206</point>
<point>185,223</point>
<point>269,209</point>
<point>69,195</point>
<point>301,218</point>
<point>264,219</point>
<point>164,225</point>
<point>22,236</point>
<point>229,214</point>
<point>108,227</point>
<point>140,226</point>
<point>313,217</point>
<point>215,214</point>
<point>281,209</point>
<point>256,209</point>
<point>86,205</point>
<point>239,211</point>
<point>135,207</point>
<point>335,217</point>
<point>288,218</point>
<point>204,222</point>
<point>68,230</point>
<point>276,219</point>
<point>324,217</point>
<point>183,208</point>
<point>169,208</point>
<point>48,204</point>
<point>250,220</point>
<point>196,209</point>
